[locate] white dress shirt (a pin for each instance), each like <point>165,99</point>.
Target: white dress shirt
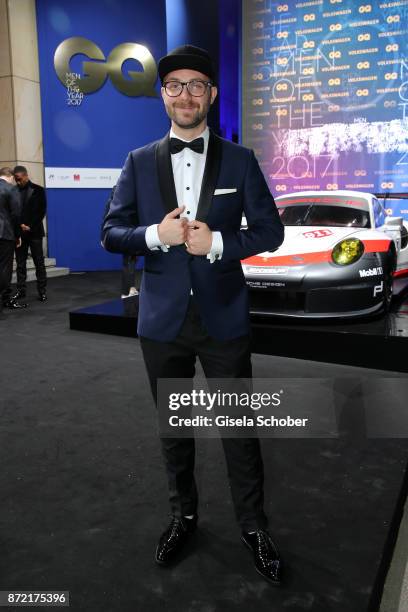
<point>188,171</point>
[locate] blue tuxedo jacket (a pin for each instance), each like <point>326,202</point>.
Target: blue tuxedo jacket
<point>146,192</point>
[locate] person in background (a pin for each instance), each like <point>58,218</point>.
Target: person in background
<point>129,276</point>
<point>129,262</point>
<point>10,218</point>
<point>32,233</point>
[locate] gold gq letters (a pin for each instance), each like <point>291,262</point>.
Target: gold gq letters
<point>96,72</point>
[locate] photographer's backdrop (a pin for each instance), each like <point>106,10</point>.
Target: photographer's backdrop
<point>88,136</point>
<point>324,98</point>
<point>325,95</point>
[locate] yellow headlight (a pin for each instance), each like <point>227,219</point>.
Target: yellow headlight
<point>347,251</point>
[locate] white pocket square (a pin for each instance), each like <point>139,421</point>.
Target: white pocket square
<point>224,191</point>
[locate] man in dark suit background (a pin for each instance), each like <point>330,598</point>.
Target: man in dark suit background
<point>179,202</point>
<point>10,219</point>
<point>32,233</point>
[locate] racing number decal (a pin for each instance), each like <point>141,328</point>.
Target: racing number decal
<point>378,289</point>
<point>318,233</point>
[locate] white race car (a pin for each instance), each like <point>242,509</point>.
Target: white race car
<point>340,258</point>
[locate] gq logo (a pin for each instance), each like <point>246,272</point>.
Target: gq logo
<point>96,72</point>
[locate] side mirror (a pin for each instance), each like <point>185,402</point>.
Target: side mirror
<point>393,222</point>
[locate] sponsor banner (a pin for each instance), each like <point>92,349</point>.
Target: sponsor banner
<point>81,178</point>
<point>324,94</point>
<point>396,207</point>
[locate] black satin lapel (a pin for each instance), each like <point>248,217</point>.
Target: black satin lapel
<point>210,178</point>
<point>165,172</point>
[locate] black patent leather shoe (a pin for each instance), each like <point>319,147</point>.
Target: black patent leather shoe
<point>14,305</point>
<point>18,295</point>
<point>172,540</point>
<point>42,297</point>
<point>267,560</point>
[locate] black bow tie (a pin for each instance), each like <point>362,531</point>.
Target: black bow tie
<point>177,145</point>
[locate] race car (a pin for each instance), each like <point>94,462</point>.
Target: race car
<point>340,258</point>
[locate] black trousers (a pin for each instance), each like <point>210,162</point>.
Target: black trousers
<point>36,247</point>
<point>219,359</point>
<point>6,269</point>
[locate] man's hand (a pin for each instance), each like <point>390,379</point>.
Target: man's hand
<point>199,238</point>
<point>18,243</point>
<point>25,228</point>
<point>173,231</point>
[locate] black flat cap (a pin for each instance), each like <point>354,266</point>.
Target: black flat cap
<point>187,56</point>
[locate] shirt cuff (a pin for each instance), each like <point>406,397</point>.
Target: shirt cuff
<point>152,239</point>
<point>217,247</point>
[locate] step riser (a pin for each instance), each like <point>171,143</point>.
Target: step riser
<point>51,273</point>
<point>49,261</point>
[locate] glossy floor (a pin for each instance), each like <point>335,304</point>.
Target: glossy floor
<point>378,342</point>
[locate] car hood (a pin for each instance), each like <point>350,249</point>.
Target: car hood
<point>310,239</point>
<point>313,238</point>
<point>305,240</point>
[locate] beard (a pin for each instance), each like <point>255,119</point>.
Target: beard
<point>190,121</point>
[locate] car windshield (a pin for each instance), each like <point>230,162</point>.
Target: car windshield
<point>320,214</point>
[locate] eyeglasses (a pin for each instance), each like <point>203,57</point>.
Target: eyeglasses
<point>196,88</point>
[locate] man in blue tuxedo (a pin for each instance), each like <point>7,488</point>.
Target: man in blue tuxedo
<point>179,202</point>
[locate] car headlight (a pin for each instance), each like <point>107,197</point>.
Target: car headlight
<point>347,251</point>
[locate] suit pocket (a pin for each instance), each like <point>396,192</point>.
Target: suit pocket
<point>229,283</point>
<point>218,192</point>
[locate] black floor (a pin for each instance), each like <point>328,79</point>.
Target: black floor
<point>83,495</point>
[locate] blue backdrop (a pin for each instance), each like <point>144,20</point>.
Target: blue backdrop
<point>108,124</point>
<point>100,132</point>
